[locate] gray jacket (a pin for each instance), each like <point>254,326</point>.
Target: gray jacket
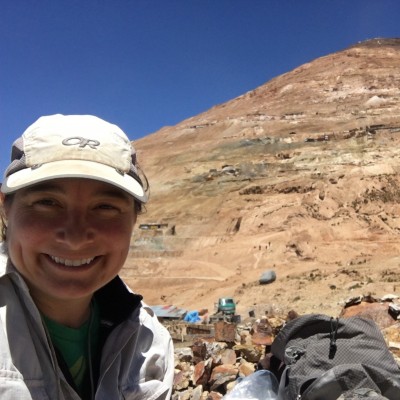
<point>137,359</point>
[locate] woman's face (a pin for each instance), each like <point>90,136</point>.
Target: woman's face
<point>69,237</point>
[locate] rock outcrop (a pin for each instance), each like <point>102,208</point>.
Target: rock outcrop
<point>299,175</point>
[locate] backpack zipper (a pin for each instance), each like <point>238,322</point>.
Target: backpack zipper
<point>332,335</point>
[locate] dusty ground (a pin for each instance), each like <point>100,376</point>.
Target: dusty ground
<point>312,191</point>
<point>327,239</point>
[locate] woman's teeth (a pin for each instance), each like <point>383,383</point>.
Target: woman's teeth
<point>71,263</point>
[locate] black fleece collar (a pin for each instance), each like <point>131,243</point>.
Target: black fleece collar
<point>116,302</point>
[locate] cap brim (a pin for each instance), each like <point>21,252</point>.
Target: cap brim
<point>73,169</point>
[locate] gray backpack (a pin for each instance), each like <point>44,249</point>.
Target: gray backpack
<point>330,358</point>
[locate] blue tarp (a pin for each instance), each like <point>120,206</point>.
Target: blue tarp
<point>192,316</point>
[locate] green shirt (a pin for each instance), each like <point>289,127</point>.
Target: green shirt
<point>78,347</point>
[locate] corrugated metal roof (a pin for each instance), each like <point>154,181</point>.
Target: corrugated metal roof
<point>168,311</point>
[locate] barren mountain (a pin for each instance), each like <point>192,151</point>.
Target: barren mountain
<point>299,175</point>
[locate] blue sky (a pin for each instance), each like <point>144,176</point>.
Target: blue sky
<point>145,64</point>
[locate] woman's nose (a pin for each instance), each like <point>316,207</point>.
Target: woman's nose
<point>76,230</point>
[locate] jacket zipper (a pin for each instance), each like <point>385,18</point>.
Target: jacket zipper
<point>53,359</point>
<point>89,344</point>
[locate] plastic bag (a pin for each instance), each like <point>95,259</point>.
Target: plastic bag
<point>260,385</point>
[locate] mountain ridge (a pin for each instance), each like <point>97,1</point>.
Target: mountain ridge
<point>299,175</point>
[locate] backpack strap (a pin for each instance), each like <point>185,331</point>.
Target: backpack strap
<point>282,394</point>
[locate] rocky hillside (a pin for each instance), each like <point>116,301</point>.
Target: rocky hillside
<point>299,175</point>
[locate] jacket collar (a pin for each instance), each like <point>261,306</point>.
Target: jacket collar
<point>116,302</point>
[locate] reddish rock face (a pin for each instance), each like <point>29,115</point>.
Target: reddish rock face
<point>201,374</point>
<point>228,356</point>
<point>299,175</point>
<point>378,312</point>
<point>222,375</point>
<point>262,334</point>
<point>214,396</point>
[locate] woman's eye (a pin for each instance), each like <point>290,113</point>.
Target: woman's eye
<point>107,207</point>
<point>45,202</point>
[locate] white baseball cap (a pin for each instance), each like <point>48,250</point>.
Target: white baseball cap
<point>73,146</point>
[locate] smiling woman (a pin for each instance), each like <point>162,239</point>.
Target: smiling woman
<point>59,241</point>
<point>70,200</point>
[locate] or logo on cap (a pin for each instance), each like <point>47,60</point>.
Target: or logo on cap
<point>81,142</point>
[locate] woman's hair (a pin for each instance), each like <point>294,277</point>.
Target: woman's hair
<point>3,228</point>
<point>140,207</point>
<point>3,221</point>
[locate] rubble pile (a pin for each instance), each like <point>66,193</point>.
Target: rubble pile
<point>208,368</point>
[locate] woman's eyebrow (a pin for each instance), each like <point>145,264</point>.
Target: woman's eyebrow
<point>116,194</point>
<point>44,187</point>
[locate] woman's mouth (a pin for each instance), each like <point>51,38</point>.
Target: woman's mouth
<point>71,263</point>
